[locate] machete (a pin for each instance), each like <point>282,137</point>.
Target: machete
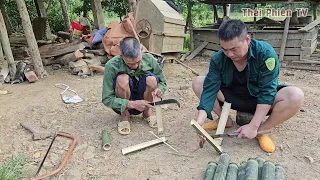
<point>166,101</point>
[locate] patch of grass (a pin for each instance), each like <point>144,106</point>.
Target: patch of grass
<point>12,168</point>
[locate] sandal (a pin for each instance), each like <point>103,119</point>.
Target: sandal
<point>124,127</point>
<point>152,121</point>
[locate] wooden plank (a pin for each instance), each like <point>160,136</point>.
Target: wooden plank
<point>53,50</point>
<point>308,27</point>
<point>196,51</point>
<point>222,121</point>
<point>306,61</point>
<point>309,50</point>
<point>143,145</point>
<point>211,141</point>
<point>209,37</point>
<point>276,43</point>
<point>210,46</point>
<point>289,51</point>
<point>271,36</point>
<point>172,44</point>
<point>291,58</point>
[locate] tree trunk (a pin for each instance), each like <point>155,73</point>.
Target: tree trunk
<point>84,8</point>
<point>6,18</point>
<point>2,60</point>
<point>6,47</point>
<point>97,14</point>
<point>33,47</point>
<point>43,13</point>
<point>190,25</point>
<point>65,15</point>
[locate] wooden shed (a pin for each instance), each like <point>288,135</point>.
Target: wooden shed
<point>160,27</point>
<point>294,44</point>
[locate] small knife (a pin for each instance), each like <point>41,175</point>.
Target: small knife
<point>166,101</point>
<point>235,134</point>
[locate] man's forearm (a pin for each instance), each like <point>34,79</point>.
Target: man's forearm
<point>261,111</point>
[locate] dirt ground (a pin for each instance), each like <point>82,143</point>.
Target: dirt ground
<point>39,105</point>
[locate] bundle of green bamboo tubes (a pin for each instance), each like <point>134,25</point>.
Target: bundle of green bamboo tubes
<point>252,169</point>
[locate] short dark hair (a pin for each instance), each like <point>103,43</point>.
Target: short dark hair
<point>231,29</point>
<point>130,47</point>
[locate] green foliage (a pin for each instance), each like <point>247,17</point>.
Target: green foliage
<point>120,7</point>
<point>13,13</point>
<point>12,168</point>
<point>186,44</point>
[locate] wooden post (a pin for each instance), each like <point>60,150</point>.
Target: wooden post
<point>32,43</point>
<point>97,14</point>
<point>65,15</point>
<point>255,18</point>
<point>228,10</point>
<point>224,10</point>
<point>190,4</point>
<point>43,13</point>
<point>284,36</point>
<point>133,7</point>
<point>6,47</point>
<point>215,13</point>
<point>315,11</point>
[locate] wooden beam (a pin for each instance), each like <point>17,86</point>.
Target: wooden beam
<point>97,14</point>
<point>310,26</point>
<point>143,145</point>
<point>284,36</point>
<point>6,47</point>
<point>215,13</point>
<point>66,18</point>
<point>32,43</point>
<point>211,141</point>
<point>197,50</point>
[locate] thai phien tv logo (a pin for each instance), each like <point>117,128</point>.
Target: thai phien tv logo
<point>273,12</point>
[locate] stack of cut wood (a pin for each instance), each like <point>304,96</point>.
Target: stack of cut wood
<point>252,169</point>
<point>74,55</point>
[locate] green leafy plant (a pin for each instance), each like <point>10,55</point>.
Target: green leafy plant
<point>12,168</point>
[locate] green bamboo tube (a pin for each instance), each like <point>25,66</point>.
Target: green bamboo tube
<point>105,140</point>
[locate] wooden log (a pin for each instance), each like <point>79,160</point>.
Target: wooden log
<point>211,141</point>
<point>66,18</point>
<point>33,47</point>
<point>54,50</point>
<point>143,145</point>
<point>222,121</point>
<point>6,47</point>
<point>196,51</point>
<point>285,35</point>
<point>97,14</point>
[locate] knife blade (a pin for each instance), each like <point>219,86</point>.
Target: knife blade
<point>235,134</point>
<point>166,101</point>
